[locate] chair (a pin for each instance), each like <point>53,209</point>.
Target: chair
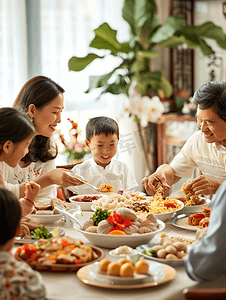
<point>210,293</point>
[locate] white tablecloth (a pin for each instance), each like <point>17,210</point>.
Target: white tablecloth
<point>66,286</point>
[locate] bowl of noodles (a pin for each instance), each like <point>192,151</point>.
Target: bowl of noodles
<point>160,208</point>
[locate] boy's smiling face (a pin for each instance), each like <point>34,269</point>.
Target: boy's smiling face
<point>103,148</point>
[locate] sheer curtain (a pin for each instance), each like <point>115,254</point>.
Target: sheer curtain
<point>67,29</point>
<point>13,49</point>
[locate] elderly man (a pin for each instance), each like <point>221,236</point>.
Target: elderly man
<point>205,149</point>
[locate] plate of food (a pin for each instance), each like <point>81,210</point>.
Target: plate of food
<point>59,254</point>
<point>192,208</point>
<point>41,232</point>
<point>169,253</point>
<point>45,212</point>
<point>111,231</point>
<point>87,276</point>
<point>85,201</point>
<point>125,271</point>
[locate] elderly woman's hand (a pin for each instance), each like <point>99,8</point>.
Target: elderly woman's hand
<point>64,178</point>
<point>203,185</point>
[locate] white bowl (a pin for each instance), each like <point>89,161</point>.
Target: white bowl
<point>132,255</point>
<point>85,205</point>
<point>195,208</point>
<point>113,241</point>
<point>45,219</point>
<point>168,215</point>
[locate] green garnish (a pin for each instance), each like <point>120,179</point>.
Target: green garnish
<point>41,233</point>
<point>100,215</point>
<point>150,252</point>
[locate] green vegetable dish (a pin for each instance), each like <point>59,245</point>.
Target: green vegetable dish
<point>151,252</point>
<point>41,233</point>
<point>100,215</point>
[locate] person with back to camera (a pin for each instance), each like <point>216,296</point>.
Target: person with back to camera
<point>102,137</point>
<point>205,149</point>
<point>18,280</point>
<point>42,99</point>
<point>16,133</point>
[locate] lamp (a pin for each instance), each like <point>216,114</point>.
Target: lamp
<point>224,9</point>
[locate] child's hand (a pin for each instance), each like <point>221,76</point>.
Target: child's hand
<point>31,190</point>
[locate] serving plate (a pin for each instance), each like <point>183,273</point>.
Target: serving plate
<point>181,221</point>
<point>168,273</point>
<point>171,262</point>
<point>155,271</point>
<point>62,267</point>
<point>85,205</point>
<point>19,240</point>
<point>195,208</point>
<point>113,241</point>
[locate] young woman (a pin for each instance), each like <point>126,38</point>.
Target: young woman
<point>42,99</point>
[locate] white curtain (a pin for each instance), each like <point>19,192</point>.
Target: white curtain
<point>13,49</point>
<point>67,29</point>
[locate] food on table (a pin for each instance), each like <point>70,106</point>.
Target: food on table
<point>159,189</point>
<point>200,219</point>
<point>99,215</point>
<point>58,250</point>
<point>156,205</point>
<point>48,207</point>
<point>88,198</point>
<point>123,250</point>
<point>168,250</point>
<point>41,233</point>
<point>106,188</point>
<point>115,201</point>
<point>164,237</point>
<point>119,224</point>
<point>190,199</point>
<point>123,267</point>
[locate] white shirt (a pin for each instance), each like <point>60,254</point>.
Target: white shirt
<point>15,176</point>
<point>210,158</point>
<point>116,174</point>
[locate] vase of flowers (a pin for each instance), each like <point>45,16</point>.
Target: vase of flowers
<point>74,147</point>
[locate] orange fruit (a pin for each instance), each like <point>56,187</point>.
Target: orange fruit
<point>117,232</point>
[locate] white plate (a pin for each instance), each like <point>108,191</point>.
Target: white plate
<point>181,221</point>
<point>195,208</point>
<point>171,262</point>
<point>155,269</point>
<point>85,205</point>
<point>113,241</point>
<point>19,240</point>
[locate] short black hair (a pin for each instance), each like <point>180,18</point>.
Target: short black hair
<point>212,94</point>
<point>10,215</point>
<point>99,125</point>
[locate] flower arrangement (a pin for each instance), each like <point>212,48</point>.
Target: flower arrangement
<point>75,149</point>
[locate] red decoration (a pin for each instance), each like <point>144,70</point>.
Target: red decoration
<point>118,222</point>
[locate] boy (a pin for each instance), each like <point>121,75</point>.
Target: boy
<point>102,137</point>
<point>18,280</point>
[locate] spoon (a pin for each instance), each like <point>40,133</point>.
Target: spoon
<point>60,209</point>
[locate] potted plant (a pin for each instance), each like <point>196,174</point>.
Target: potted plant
<point>139,51</point>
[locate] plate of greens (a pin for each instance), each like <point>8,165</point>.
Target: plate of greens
<point>41,232</point>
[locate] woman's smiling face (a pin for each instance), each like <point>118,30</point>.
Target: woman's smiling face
<point>46,118</point>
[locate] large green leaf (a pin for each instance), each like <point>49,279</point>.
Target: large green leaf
<point>147,54</point>
<point>148,79</point>
<point>128,14</point>
<point>118,87</point>
<point>98,81</point>
<point>79,63</point>
<point>205,48</point>
<point>125,47</point>
<point>166,87</point>
<point>167,30</point>
<point>105,38</point>
<point>212,31</point>
<point>145,14</point>
<point>174,41</point>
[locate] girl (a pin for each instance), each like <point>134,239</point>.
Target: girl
<point>42,99</point>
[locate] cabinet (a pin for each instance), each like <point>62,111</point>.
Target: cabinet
<point>172,133</point>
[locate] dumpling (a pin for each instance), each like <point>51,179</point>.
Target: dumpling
<point>87,224</point>
<point>131,229</point>
<point>149,225</point>
<point>92,229</point>
<point>127,213</point>
<point>104,227</point>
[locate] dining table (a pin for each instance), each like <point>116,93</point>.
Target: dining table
<point>67,285</point>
